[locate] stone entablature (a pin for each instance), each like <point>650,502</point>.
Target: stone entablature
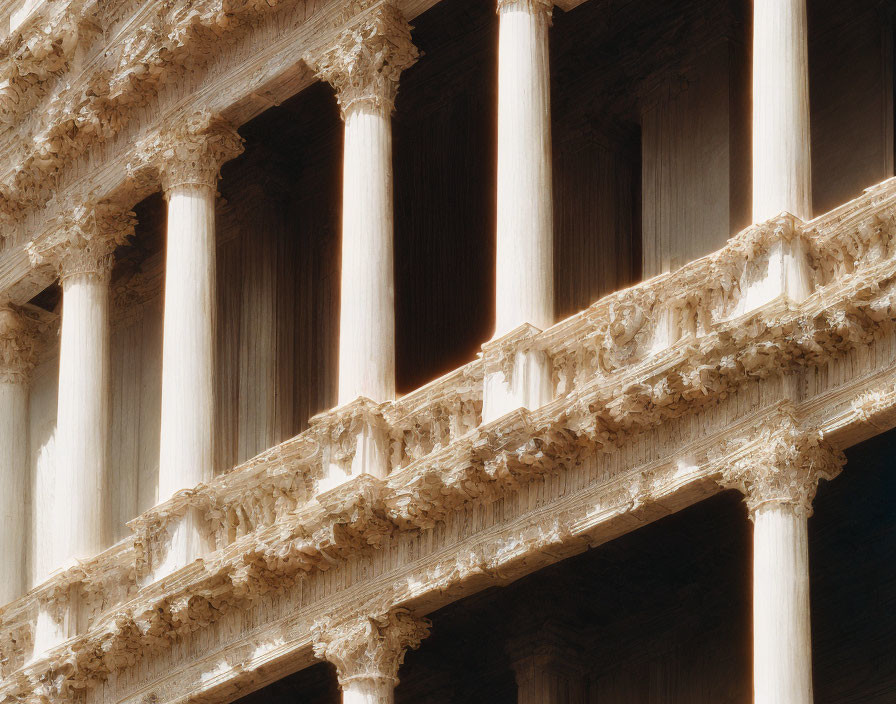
<point>638,361</point>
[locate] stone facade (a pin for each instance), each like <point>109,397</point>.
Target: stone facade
<point>753,367</point>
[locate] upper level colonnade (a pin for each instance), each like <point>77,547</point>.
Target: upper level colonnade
<point>559,389</point>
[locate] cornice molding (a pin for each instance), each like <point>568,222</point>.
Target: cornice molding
<point>365,63</point>
<point>369,647</point>
<point>189,154</point>
<point>83,241</point>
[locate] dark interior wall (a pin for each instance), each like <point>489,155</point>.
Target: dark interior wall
<point>596,164</point>
<point>278,275</point>
<point>444,135</point>
<point>852,544</point>
<point>851,97</point>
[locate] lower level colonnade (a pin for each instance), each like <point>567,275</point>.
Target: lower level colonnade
<point>662,614</point>
<point>779,478</point>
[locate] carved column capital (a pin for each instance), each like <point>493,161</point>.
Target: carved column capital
<point>365,63</point>
<point>190,153</point>
<point>533,7</point>
<point>83,241</point>
<point>18,346</point>
<point>783,466</point>
<point>370,647</point>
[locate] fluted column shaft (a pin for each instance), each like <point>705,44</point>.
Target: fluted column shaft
<point>525,260</point>
<point>781,142</point>
<point>81,248</point>
<point>17,357</point>
<point>186,455</point>
<point>367,298</point>
<point>187,158</point>
<point>82,420</point>
<point>364,65</point>
<point>782,646</point>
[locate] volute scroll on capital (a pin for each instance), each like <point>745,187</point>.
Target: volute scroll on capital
<point>370,647</point>
<point>784,466</point>
<point>18,346</point>
<point>189,154</point>
<point>365,62</point>
<point>84,240</point>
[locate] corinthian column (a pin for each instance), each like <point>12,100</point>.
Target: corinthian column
<point>188,159</point>
<point>524,277</point>
<point>81,248</point>
<point>525,258</point>
<point>368,651</point>
<point>364,66</point>
<point>18,354</point>
<point>779,480</point>
<point>781,153</point>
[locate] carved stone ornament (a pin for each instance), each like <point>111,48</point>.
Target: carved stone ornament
<point>367,59</point>
<point>18,346</point>
<point>190,154</point>
<point>531,6</point>
<point>83,241</point>
<point>370,647</point>
<point>784,465</point>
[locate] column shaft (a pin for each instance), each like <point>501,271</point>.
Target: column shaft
<point>525,258</point>
<point>367,302</point>
<point>782,648</point>
<point>13,468</point>
<point>186,457</point>
<point>781,151</point>
<point>82,416</point>
<point>369,691</point>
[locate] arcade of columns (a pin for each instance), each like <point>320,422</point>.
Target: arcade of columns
<point>364,69</point>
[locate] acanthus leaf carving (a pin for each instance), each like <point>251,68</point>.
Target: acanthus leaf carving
<point>189,154</point>
<point>18,345</point>
<point>82,242</point>
<point>370,646</point>
<point>783,464</point>
<point>366,61</point>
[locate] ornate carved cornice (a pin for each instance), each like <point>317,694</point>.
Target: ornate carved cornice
<point>533,7</point>
<point>697,392</point>
<point>18,346</point>
<point>783,464</point>
<point>189,154</point>
<point>370,647</point>
<point>367,59</point>
<point>83,242</point>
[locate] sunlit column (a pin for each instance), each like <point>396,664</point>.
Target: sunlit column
<point>781,151</point>
<point>524,275</point>
<point>82,250</point>
<point>367,653</point>
<point>779,479</point>
<point>525,259</point>
<point>188,158</point>
<point>364,66</point>
<point>18,354</point>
